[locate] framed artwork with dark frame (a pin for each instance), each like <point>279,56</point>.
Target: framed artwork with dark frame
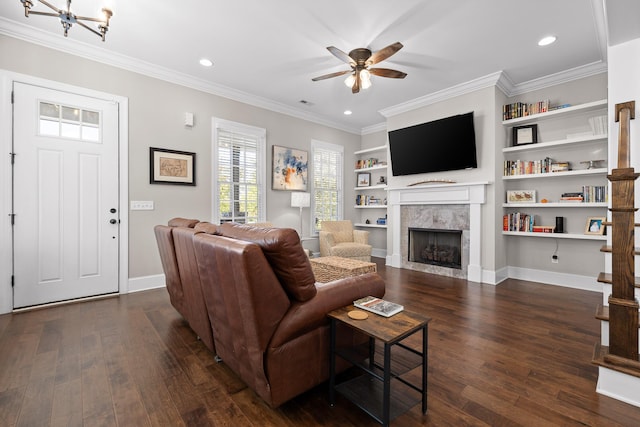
<point>523,135</point>
<point>364,179</point>
<point>595,225</point>
<point>171,167</point>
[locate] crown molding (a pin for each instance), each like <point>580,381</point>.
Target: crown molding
<point>374,128</point>
<point>98,54</point>
<point>558,78</point>
<point>442,95</point>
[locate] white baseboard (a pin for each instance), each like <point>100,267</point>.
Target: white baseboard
<point>495,277</point>
<point>587,283</point>
<point>619,386</point>
<point>144,283</point>
<point>379,253</point>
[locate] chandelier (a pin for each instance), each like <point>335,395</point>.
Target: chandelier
<point>67,18</point>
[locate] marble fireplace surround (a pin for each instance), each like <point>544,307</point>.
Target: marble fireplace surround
<point>472,194</point>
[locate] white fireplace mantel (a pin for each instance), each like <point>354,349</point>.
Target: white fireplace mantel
<point>471,193</point>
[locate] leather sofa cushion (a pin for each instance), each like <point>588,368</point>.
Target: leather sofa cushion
<point>283,250</point>
<point>206,227</point>
<point>183,222</point>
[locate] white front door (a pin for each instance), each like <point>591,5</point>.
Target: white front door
<point>65,196</point>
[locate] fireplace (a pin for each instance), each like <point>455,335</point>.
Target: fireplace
<point>448,206</point>
<point>436,247</point>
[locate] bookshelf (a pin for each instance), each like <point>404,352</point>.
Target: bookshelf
<point>371,199</point>
<point>565,135</point>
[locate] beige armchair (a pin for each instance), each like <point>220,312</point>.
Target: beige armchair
<point>338,238</point>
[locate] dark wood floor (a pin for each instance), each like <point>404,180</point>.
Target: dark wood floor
<point>515,354</point>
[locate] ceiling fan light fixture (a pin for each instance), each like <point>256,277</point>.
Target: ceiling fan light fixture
<point>349,81</point>
<point>365,79</point>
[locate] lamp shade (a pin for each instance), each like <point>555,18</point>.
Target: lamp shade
<point>300,200</point>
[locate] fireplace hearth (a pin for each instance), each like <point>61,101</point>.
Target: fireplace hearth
<point>438,247</point>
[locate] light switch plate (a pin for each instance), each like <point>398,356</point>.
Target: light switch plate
<point>142,205</point>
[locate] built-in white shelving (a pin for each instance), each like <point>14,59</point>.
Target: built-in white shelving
<point>579,139</point>
<point>595,171</point>
<point>377,189</point>
<point>555,235</point>
<point>359,224</point>
<point>554,205</point>
<point>557,143</point>
<point>566,112</point>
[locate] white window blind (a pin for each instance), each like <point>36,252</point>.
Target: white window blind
<point>327,182</point>
<point>238,173</point>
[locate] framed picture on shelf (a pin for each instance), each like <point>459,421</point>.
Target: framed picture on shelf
<point>171,167</point>
<point>595,226</point>
<point>523,135</point>
<point>521,196</point>
<point>364,179</point>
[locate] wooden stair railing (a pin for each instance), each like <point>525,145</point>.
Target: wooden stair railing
<point>622,352</point>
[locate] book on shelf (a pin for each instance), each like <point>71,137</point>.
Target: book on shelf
<point>571,198</point>
<point>544,228</point>
<point>378,306</point>
<point>527,167</point>
<point>560,166</point>
<point>518,221</point>
<point>366,163</point>
<point>520,109</point>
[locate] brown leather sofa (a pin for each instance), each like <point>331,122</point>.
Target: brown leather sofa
<point>267,313</point>
<point>175,244</point>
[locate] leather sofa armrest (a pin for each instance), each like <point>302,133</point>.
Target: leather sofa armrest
<point>361,236</point>
<point>305,316</point>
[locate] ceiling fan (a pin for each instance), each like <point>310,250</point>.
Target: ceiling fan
<point>360,60</point>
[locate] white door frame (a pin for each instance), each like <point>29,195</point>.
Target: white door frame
<point>6,82</point>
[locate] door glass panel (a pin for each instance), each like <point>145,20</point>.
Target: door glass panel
<point>49,110</point>
<point>69,113</point>
<point>49,127</point>
<point>90,117</point>
<point>69,122</point>
<point>70,130</point>
<point>90,134</point>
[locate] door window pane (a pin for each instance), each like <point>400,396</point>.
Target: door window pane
<point>69,122</point>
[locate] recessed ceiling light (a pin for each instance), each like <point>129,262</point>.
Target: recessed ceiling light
<point>546,40</point>
<point>206,62</point>
<point>348,112</point>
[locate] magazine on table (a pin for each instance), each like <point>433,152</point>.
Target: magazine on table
<point>378,306</point>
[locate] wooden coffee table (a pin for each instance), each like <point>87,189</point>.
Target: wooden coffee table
<point>383,391</point>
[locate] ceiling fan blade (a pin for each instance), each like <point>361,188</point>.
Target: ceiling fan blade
<point>386,72</point>
<point>341,55</point>
<point>384,53</point>
<point>328,76</point>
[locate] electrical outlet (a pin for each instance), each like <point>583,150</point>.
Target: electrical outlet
<point>554,259</point>
<point>141,205</point>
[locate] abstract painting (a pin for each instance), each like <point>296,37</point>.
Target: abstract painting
<point>290,169</point>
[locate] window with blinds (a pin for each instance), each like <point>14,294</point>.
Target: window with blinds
<point>239,171</point>
<point>327,169</point>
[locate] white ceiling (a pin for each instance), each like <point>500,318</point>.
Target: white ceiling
<point>266,52</point>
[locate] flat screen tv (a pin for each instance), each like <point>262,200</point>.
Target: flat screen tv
<point>441,145</point>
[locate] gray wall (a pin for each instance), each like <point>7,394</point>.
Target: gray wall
<point>156,111</point>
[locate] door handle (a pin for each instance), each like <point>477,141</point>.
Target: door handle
<point>113,221</point>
